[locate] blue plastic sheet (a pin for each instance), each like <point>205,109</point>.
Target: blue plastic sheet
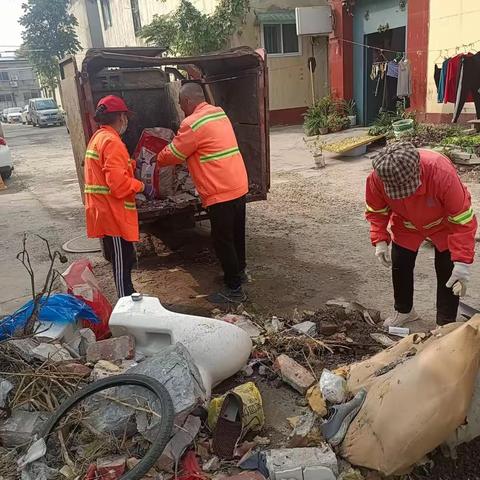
<point>58,308</point>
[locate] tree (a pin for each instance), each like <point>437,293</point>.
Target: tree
<point>187,31</point>
<point>49,36</point>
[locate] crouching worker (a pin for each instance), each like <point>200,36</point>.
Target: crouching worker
<point>110,189</point>
<point>207,143</point>
<point>418,195</point>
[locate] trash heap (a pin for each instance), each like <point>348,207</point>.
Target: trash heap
<point>360,408</point>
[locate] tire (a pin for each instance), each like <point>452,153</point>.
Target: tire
<point>154,386</point>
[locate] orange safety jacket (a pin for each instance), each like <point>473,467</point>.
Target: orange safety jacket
<point>207,142</point>
<point>110,187</point>
<point>440,210</point>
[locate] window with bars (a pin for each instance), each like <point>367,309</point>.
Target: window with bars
<point>7,97</point>
<point>106,13</point>
<point>281,39</point>
<point>137,21</point>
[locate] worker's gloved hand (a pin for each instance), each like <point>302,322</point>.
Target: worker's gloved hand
<point>459,279</point>
<point>382,252</point>
<point>140,199</point>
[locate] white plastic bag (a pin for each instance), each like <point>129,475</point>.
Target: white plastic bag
<point>333,387</point>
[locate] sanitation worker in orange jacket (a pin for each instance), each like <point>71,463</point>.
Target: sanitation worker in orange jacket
<point>110,189</point>
<point>413,195</point>
<point>207,142</point>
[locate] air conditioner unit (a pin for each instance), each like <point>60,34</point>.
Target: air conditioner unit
<point>13,84</point>
<point>314,20</point>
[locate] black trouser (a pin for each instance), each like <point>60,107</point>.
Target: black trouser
<point>121,254</point>
<point>403,265</point>
<point>227,221</point>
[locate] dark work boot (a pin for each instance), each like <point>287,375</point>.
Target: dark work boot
<point>228,295</point>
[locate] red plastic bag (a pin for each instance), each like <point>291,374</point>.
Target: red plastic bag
<point>151,143</point>
<point>81,283</point>
<point>190,468</point>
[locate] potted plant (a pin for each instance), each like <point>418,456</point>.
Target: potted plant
<point>350,109</point>
<point>335,122</point>
<point>316,118</point>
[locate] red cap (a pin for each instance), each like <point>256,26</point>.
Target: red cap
<point>112,104</point>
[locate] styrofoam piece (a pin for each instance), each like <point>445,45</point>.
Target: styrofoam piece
<point>56,331</point>
<point>219,349</point>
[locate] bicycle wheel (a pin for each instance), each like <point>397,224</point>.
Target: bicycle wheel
<point>164,429</point>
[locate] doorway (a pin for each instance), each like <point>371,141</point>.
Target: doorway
<point>380,91</point>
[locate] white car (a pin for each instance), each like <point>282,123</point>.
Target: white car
<point>14,115</point>
<point>6,162</point>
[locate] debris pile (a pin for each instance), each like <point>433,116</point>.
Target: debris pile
<point>347,390</point>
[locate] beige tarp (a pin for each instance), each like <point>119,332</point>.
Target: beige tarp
<point>419,392</point>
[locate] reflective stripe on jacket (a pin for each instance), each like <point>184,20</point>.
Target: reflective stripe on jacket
<point>110,187</point>
<point>207,142</point>
<point>440,210</point>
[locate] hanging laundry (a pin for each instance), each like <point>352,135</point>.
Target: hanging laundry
<point>451,81</point>
<point>392,69</point>
<point>468,84</point>
<point>442,80</point>
<point>404,87</point>
<point>390,98</point>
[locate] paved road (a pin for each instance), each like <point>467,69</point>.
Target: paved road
<point>42,197</point>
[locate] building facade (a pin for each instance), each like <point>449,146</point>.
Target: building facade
<point>270,24</point>
<point>424,32</point>
<point>18,82</point>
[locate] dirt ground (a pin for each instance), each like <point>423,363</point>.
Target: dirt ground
<point>307,243</point>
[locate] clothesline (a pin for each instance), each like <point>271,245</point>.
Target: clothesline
<point>417,52</point>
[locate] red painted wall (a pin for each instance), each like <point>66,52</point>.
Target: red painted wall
<point>417,41</point>
<point>340,54</point>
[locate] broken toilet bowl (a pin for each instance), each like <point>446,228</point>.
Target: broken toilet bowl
<point>219,349</point>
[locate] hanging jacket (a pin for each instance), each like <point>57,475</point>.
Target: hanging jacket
<point>468,85</point>
<point>452,79</point>
<point>440,210</point>
<point>110,187</point>
<point>207,142</point>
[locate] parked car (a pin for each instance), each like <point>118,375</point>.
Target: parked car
<point>14,115</point>
<point>6,162</point>
<point>44,112</point>
<point>25,120</point>
<point>4,115</point>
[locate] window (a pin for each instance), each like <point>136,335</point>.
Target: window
<point>4,77</point>
<point>106,13</point>
<point>281,39</point>
<point>137,22</point>
<point>7,97</point>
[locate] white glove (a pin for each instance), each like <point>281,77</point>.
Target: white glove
<point>382,252</point>
<point>140,199</point>
<point>459,279</point>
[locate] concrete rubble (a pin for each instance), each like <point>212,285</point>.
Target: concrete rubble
<point>302,463</point>
<point>306,328</point>
<point>294,374</point>
<point>112,349</point>
<point>20,427</point>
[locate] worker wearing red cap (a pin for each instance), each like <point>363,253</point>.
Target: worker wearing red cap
<point>110,189</point>
<point>413,195</point>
